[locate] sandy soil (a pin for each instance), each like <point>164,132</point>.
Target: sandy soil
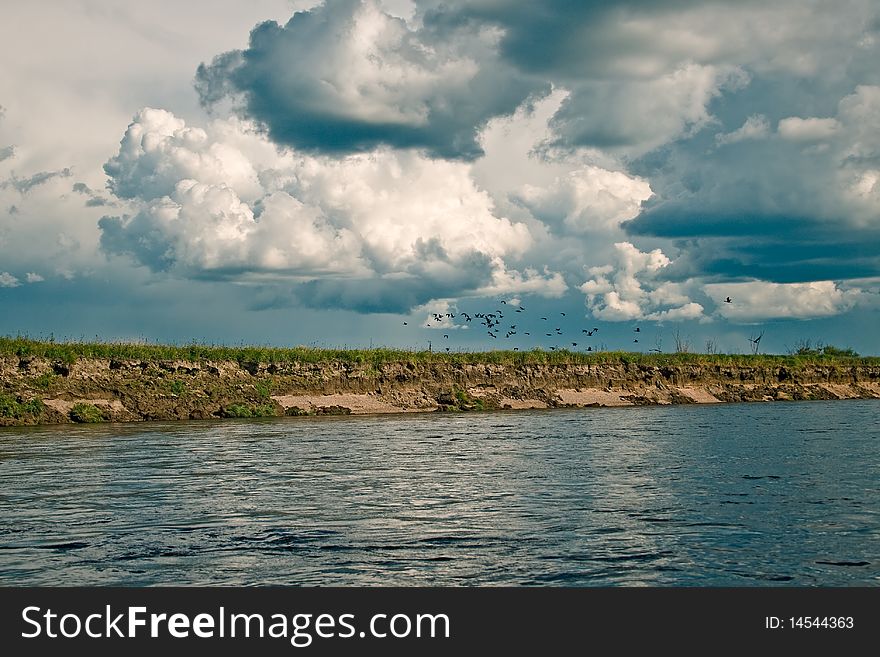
<point>700,395</point>
<point>359,404</point>
<point>590,397</point>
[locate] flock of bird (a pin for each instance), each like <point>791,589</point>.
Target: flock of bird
<point>494,323</point>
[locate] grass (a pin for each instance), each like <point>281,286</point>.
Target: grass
<point>247,410</point>
<point>86,413</point>
<point>12,407</point>
<point>70,352</point>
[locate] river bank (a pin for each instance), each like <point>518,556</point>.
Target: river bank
<point>43,383</point>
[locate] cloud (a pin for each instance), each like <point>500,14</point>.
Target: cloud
<point>346,76</point>
<point>7,152</point>
<point>633,117</point>
<point>8,280</point>
<point>806,130</point>
<point>756,127</point>
<point>24,185</point>
<point>94,200</point>
<point>586,200</point>
<point>630,288</point>
<point>388,229</point>
<point>805,198</point>
<point>158,150</point>
<point>762,300</point>
<point>32,277</point>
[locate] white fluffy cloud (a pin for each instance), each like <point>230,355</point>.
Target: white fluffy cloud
<point>225,202</point>
<point>760,300</point>
<point>159,150</point>
<point>630,288</point>
<point>588,199</point>
<point>8,280</point>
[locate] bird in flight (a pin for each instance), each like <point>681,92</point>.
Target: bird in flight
<point>637,329</point>
<point>563,314</point>
<point>728,300</point>
<point>446,336</point>
<point>404,324</point>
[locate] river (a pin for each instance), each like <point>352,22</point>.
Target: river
<point>698,495</point>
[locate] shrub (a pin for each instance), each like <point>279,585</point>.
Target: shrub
<point>86,413</point>
<point>44,380</point>
<point>263,388</point>
<point>15,408</point>
<point>244,410</point>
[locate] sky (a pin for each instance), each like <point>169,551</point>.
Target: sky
<point>336,174</point>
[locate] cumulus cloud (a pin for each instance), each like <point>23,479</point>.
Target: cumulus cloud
<point>633,117</point>
<point>346,76</point>
<point>587,199</point>
<point>158,150</point>
<point>8,280</point>
<point>630,288</point>
<point>391,228</point>
<point>32,277</point>
<point>761,300</point>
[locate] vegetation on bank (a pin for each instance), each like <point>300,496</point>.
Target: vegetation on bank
<point>70,352</point>
<point>20,409</point>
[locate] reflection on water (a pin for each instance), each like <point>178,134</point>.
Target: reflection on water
<point>745,494</point>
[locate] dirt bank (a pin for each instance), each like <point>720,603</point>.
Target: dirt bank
<point>37,390</point>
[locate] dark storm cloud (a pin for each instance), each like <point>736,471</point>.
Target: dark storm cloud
<point>345,77</point>
<point>551,37</point>
<point>791,255</point>
<point>391,295</point>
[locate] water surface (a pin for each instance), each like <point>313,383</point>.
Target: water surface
<point>738,494</point>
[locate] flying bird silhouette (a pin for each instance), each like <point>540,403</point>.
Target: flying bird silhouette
<point>728,300</point>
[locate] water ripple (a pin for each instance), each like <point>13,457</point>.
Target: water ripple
<point>659,496</point>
